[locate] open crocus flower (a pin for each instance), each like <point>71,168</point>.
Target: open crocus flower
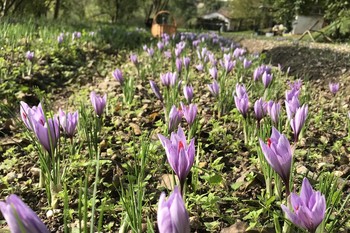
<point>180,154</point>
<point>31,114</point>
<point>20,217</point>
<point>47,133</point>
<point>98,102</point>
<point>298,121</point>
<point>308,209</point>
<point>68,122</point>
<point>278,154</point>
<point>172,215</point>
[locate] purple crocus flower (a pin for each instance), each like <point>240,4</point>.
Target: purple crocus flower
<point>266,79</point>
<point>258,73</point>
<point>242,104</point>
<point>156,90</point>
<point>167,54</point>
<point>160,45</point>
<point>278,154</point>
<point>30,115</point>
<point>238,52</point>
<point>213,72</point>
<point>200,67</point>
<point>180,154</point>
<point>298,121</point>
<point>172,215</point>
<point>241,91</point>
<point>30,55</point>
<point>274,109</point>
<point>186,62</point>
<point>175,117</point>
<point>292,106</point>
<point>246,63</point>
<point>214,88</point>
<point>98,102</point>
<point>189,112</point>
<point>150,52</point>
<point>228,65</point>
<point>118,75</point>
<point>47,133</point>
<point>68,122</point>
<point>308,209</point>
<point>20,217</point>
<point>178,64</point>
<point>188,93</point>
<point>60,39</point>
<point>296,84</point>
<point>134,59</point>
<point>260,109</point>
<point>290,94</point>
<point>334,87</point>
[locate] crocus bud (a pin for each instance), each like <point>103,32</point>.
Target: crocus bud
<point>274,109</point>
<point>242,104</point>
<point>260,109</point>
<point>188,93</point>
<point>266,79</point>
<point>308,208</point>
<point>200,67</point>
<point>150,52</point>
<point>334,87</point>
<point>292,106</point>
<point>68,122</point>
<point>186,62</point>
<point>175,117</point>
<point>178,64</point>
<point>172,215</point>
<point>189,112</point>
<point>60,39</point>
<point>133,59</point>
<point>246,63</point>
<point>278,154</point>
<point>298,121</point>
<point>213,72</point>
<point>214,88</point>
<point>30,55</point>
<point>118,75</point>
<point>98,103</point>
<point>156,90</point>
<point>47,133</point>
<point>20,217</point>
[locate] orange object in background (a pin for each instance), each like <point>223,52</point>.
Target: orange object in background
<point>163,22</point>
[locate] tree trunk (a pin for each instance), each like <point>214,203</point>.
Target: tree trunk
<point>57,9</point>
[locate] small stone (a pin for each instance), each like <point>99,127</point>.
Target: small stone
<point>338,173</point>
<point>11,176</point>
<point>49,213</point>
<point>302,170</point>
<point>136,128</point>
<point>238,227</point>
<point>35,171</point>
